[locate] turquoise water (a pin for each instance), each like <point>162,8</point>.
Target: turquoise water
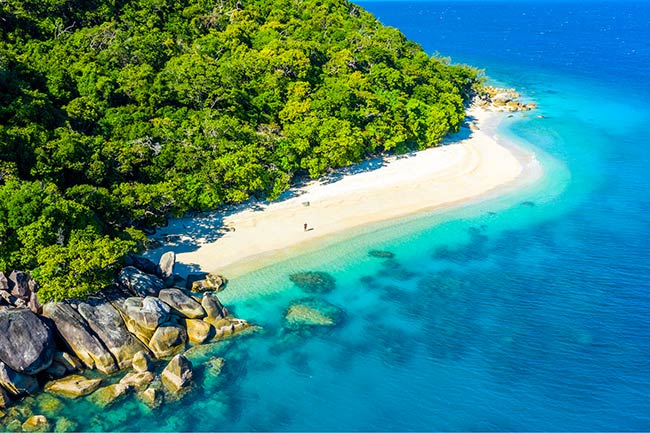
<point>529,311</point>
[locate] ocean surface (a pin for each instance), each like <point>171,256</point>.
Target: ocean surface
<point>529,311</point>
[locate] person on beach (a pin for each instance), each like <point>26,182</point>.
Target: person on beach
<point>304,227</point>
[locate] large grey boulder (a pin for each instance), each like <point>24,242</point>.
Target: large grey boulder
<point>108,325</point>
<point>177,374</point>
<point>17,383</point>
<point>26,342</point>
<point>168,339</point>
<point>213,307</point>
<point>140,283</point>
<point>76,332</point>
<point>143,315</point>
<point>166,266</point>
<point>182,303</point>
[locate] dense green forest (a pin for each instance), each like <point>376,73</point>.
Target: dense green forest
<point>116,114</point>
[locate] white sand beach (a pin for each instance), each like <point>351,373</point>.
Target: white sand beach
<point>253,236</point>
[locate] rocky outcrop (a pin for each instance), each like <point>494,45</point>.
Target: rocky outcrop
<point>206,282</point>
<point>502,100</point>
<point>177,374</point>
<point>108,325</point>
<point>181,303</point>
<point>140,283</point>
<point>79,337</point>
<point>143,315</point>
<point>16,383</point>
<point>168,340</point>
<point>31,346</point>
<point>112,331</point>
<point>73,386</point>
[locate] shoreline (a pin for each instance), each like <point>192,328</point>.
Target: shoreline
<point>252,236</point>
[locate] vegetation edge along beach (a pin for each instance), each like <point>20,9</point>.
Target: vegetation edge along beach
<point>116,116</point>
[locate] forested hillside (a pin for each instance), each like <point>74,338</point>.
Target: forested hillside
<point>115,114</point>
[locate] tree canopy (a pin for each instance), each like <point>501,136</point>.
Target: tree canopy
<point>116,114</point>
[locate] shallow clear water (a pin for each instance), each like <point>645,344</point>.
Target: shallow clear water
<point>530,311</point>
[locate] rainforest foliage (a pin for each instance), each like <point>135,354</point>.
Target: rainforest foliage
<point>116,114</point>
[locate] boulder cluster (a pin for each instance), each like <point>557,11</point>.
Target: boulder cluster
<point>502,100</point>
<point>149,313</point>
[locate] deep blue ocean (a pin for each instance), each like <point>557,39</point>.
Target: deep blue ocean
<point>527,312</point>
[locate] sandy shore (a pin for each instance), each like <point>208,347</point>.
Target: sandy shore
<point>374,191</point>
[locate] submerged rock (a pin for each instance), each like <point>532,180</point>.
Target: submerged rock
<point>314,282</point>
<point>381,254</point>
<point>17,383</point>
<point>36,423</point>
<point>108,395</point>
<point>73,386</point>
<point>183,304</point>
<point>177,374</point>
<point>214,366</point>
<point>168,339</point>
<point>312,312</point>
<point>49,404</point>
<point>27,343</point>
<point>77,334</point>
<point>64,425</point>
<point>14,426</point>
<point>152,397</point>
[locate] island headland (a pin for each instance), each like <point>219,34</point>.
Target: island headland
<point>110,129</point>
